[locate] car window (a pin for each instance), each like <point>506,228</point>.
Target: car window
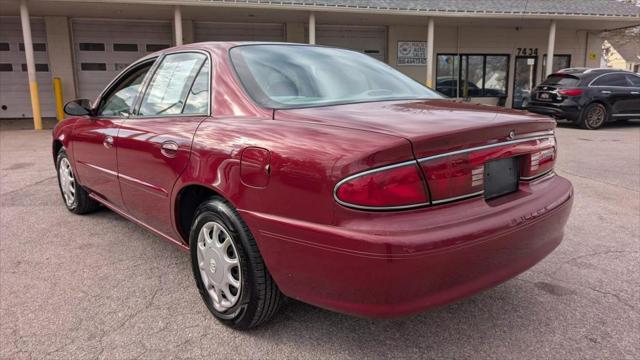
<point>120,100</point>
<point>634,80</point>
<point>170,84</point>
<point>611,80</point>
<point>563,80</point>
<point>198,97</point>
<point>290,76</point>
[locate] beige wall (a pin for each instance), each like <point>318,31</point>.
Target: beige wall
<point>496,40</point>
<point>59,48</point>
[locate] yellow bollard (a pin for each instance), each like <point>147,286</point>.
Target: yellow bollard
<point>35,105</point>
<point>57,91</point>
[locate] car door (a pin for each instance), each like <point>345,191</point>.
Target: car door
<point>154,144</point>
<point>95,137</point>
<point>615,90</point>
<point>630,104</point>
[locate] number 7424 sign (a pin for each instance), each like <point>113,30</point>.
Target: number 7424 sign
<point>527,51</point>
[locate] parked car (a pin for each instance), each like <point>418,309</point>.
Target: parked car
<point>315,173</point>
<point>588,97</point>
<point>447,86</point>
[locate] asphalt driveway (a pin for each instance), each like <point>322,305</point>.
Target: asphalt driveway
<point>100,287</point>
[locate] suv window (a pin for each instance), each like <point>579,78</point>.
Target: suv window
<point>171,83</point>
<point>611,80</point>
<point>564,80</point>
<point>120,99</point>
<point>634,80</point>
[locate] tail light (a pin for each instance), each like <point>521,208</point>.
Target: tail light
<point>541,161</point>
<point>392,187</point>
<point>570,92</point>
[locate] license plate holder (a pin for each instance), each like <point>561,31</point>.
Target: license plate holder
<point>501,177</point>
<point>544,96</point>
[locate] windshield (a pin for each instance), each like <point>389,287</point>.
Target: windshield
<point>290,76</point>
<point>566,80</point>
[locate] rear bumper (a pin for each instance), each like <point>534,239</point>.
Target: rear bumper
<point>570,112</point>
<point>407,262</point>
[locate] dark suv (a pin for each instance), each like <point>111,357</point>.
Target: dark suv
<point>588,97</point>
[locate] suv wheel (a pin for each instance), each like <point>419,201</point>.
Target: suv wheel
<point>228,268</point>
<point>593,116</point>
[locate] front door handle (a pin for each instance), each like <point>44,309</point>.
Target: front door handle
<point>108,141</point>
<point>605,92</point>
<point>169,148</point>
<point>635,93</point>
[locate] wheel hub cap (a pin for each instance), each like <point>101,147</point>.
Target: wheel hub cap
<point>219,265</point>
<point>67,181</point>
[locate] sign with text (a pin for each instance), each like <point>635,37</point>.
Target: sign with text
<point>412,53</point>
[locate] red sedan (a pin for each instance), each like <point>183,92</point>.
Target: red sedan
<point>315,173</point>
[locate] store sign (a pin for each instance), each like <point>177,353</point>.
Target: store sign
<point>412,53</point>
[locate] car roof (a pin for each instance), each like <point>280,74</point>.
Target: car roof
<point>584,71</point>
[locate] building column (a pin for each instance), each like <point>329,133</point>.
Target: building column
<point>430,56</point>
<point>551,46</point>
<point>31,66</point>
<point>60,50</point>
<point>177,25</point>
<point>312,28</point>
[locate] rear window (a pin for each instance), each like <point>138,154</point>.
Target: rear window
<point>564,80</point>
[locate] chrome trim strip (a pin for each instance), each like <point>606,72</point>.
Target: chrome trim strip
<point>372,171</point>
<point>638,115</point>
<point>436,202</point>
<point>463,151</point>
<point>539,176</point>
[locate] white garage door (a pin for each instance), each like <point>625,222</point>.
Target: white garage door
<point>209,31</point>
<point>104,48</point>
<point>15,101</point>
<point>371,40</point>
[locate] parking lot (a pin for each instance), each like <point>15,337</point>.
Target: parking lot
<point>100,287</point>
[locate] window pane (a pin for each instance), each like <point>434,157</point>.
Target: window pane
<point>93,66</point>
<point>170,84</point>
<point>36,47</point>
<point>198,98</point>
<point>91,46</point>
<point>471,78</point>
<point>634,80</point>
<point>39,67</point>
<point>447,74</point>
<point>6,67</point>
<point>612,80</point>
<point>125,47</point>
<point>496,76</point>
<point>156,47</point>
<point>4,46</point>
<point>120,101</point>
<point>565,80</point>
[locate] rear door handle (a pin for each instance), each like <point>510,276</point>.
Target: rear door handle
<point>108,141</point>
<point>169,149</point>
<point>635,93</point>
<point>605,92</point>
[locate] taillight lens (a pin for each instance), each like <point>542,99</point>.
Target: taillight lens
<point>570,92</point>
<point>392,187</point>
<point>541,161</point>
<point>454,177</point>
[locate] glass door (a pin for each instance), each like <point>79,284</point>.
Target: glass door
<point>524,80</point>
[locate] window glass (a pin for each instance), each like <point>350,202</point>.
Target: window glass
<point>170,84</point>
<point>39,67</point>
<point>125,47</point>
<point>559,62</point>
<point>91,46</point>
<point>564,80</point>
<point>93,66</point>
<point>156,47</point>
<point>611,80</point>
<point>4,46</point>
<point>198,98</point>
<point>6,67</point>
<point>478,75</point>
<point>447,74</point>
<point>120,100</point>
<point>634,80</point>
<point>289,76</point>
<point>36,46</point>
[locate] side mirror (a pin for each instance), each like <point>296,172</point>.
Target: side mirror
<point>79,107</point>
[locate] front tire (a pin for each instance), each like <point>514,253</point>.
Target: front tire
<point>593,116</point>
<point>228,269</point>
<point>74,196</point>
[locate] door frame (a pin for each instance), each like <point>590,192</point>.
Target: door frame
<point>515,72</point>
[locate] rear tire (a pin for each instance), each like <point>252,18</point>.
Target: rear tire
<point>74,196</point>
<point>593,116</point>
<point>245,296</point>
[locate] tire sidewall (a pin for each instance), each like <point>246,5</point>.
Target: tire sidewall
<point>62,154</point>
<point>242,312</point>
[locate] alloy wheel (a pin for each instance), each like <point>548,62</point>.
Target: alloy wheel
<point>596,116</point>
